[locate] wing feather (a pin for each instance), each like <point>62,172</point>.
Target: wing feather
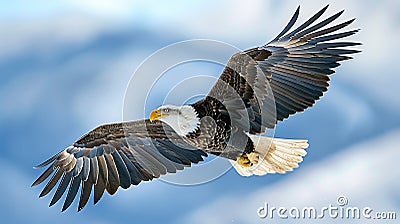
<point>296,64</point>
<point>53,181</point>
<point>94,170</point>
<point>73,190</point>
<point>113,156</point>
<point>134,174</point>
<point>289,25</point>
<point>86,168</point>
<point>113,176</point>
<point>43,176</point>
<point>305,24</point>
<point>85,194</point>
<point>61,188</point>
<point>124,177</point>
<point>101,180</point>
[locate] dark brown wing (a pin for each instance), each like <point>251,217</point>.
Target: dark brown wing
<point>116,155</point>
<point>296,66</point>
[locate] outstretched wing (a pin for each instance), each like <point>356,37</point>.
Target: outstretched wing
<point>296,65</point>
<point>116,155</point>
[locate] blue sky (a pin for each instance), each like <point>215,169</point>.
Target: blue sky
<point>65,66</point>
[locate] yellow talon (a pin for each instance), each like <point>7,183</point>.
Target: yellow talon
<point>247,160</point>
<point>244,161</point>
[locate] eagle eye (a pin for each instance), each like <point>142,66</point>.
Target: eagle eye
<point>166,110</point>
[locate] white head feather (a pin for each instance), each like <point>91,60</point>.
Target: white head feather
<point>183,119</point>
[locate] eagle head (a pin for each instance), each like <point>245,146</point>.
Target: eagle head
<point>183,119</point>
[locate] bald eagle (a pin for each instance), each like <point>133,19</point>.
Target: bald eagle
<point>257,88</point>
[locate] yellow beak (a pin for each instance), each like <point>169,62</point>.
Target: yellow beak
<point>155,115</point>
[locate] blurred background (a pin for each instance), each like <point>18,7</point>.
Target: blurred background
<point>65,66</point>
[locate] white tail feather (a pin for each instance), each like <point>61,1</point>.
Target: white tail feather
<point>273,156</point>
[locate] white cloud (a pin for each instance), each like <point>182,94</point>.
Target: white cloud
<point>367,174</point>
